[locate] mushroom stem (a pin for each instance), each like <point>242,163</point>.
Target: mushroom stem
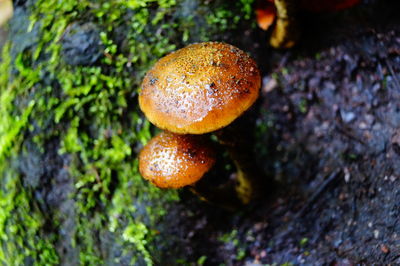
<point>223,196</point>
<point>286,31</point>
<point>250,181</point>
<point>246,187</point>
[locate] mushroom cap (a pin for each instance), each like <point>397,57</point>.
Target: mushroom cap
<point>200,88</point>
<point>265,13</point>
<point>172,161</point>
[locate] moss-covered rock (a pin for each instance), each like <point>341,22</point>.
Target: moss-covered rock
<point>70,128</point>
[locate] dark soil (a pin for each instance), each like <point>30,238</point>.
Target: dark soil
<point>328,132</point>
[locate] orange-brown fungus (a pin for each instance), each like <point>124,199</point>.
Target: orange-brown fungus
<point>265,13</point>
<point>173,161</point>
<point>200,88</point>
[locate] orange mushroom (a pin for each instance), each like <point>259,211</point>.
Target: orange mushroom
<point>174,161</point>
<point>200,88</point>
<point>281,15</point>
<point>265,13</point>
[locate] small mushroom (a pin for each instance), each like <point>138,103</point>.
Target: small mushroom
<point>265,13</point>
<point>281,15</point>
<point>200,89</point>
<point>174,161</point>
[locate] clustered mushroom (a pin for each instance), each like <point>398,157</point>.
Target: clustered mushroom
<point>196,90</point>
<point>174,161</point>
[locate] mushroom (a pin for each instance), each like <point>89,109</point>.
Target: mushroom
<point>174,161</point>
<point>200,89</point>
<point>265,13</point>
<point>281,14</point>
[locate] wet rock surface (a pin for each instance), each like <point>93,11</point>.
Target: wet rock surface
<point>46,174</point>
<point>81,44</point>
<point>346,119</point>
<point>20,37</point>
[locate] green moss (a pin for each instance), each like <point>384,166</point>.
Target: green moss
<point>20,227</point>
<point>92,111</point>
<point>20,219</point>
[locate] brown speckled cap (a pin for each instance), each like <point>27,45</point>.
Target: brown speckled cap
<point>200,88</point>
<point>173,161</point>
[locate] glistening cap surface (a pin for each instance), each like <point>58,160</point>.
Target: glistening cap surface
<point>173,161</point>
<point>200,88</point>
